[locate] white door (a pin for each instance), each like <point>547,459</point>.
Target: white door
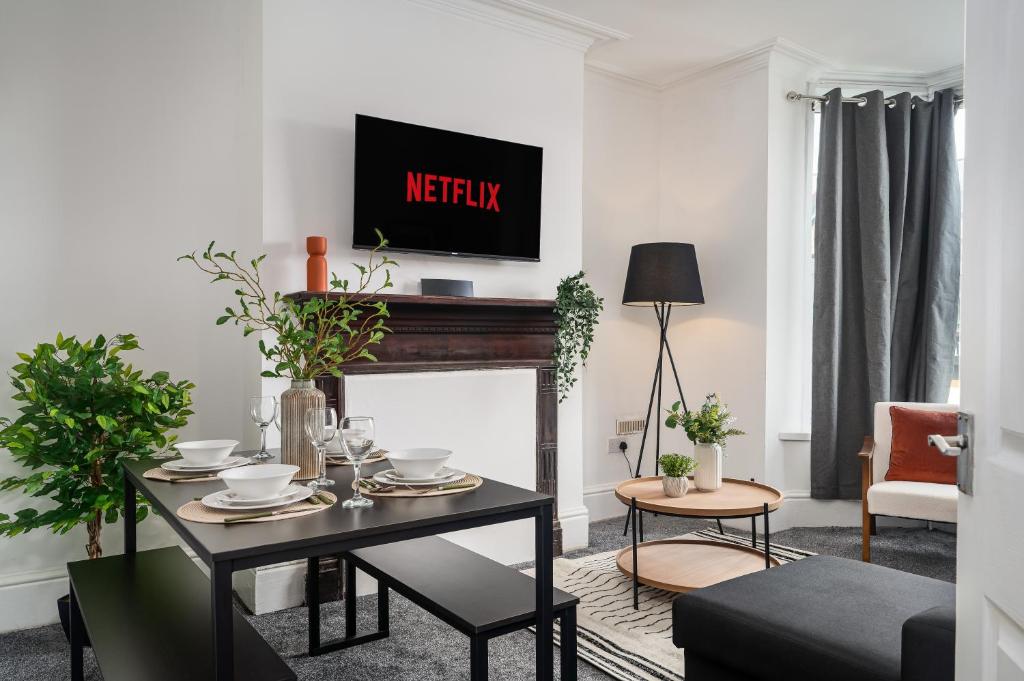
<point>990,547</point>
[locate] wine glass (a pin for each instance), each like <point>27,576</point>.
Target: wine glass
<point>321,428</point>
<point>357,442</point>
<point>263,412</point>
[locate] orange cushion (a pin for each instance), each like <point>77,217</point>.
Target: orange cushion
<point>911,458</point>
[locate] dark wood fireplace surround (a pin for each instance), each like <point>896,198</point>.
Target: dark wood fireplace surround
<point>445,333</point>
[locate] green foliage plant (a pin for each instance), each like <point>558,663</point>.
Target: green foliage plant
<point>83,413</point>
<point>313,337</point>
<point>577,307</point>
<point>677,465</point>
<point>712,424</point>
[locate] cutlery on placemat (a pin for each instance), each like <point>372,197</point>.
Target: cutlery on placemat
<point>193,478</point>
<point>264,514</point>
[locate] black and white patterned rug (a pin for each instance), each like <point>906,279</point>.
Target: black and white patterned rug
<point>628,644</point>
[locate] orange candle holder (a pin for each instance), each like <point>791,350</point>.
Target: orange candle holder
<point>316,264</point>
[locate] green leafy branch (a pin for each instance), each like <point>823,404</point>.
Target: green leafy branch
<point>577,307</point>
<point>312,337</point>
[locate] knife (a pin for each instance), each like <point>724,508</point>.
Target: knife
<point>264,514</point>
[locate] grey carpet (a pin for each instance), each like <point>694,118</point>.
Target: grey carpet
<point>422,648</point>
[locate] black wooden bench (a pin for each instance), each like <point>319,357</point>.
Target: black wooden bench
<point>148,619</point>
<point>474,594</point>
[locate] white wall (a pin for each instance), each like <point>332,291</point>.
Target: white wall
<point>620,208</point>
<point>324,62</point>
<point>122,145</point>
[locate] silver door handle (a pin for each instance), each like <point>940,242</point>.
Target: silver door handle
<point>951,445</point>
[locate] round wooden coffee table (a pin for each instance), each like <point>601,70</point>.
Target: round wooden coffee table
<point>685,564</point>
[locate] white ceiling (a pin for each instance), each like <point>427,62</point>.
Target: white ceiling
<point>670,37</point>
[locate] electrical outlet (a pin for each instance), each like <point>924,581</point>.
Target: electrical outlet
<point>613,444</point>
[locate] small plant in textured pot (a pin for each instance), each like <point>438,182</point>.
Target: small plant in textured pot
<point>577,307</point>
<point>675,468</point>
<point>708,429</point>
<point>83,413</point>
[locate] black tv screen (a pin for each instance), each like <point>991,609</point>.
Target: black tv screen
<point>435,191</point>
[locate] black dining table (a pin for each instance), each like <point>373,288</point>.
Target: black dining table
<point>228,548</point>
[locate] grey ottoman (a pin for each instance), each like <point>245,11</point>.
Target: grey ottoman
<point>815,619</point>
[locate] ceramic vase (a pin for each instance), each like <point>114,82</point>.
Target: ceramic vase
<point>296,448</point>
<point>708,475</point>
<point>675,487</point>
<point>316,264</point>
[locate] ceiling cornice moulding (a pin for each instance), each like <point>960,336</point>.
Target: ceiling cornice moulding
<point>913,81</point>
<point>531,19</point>
<point>754,57</point>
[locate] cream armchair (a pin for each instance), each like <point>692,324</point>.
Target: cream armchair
<point>899,498</point>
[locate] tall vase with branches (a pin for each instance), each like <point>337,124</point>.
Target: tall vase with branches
<point>304,339</point>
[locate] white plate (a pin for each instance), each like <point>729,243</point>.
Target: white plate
<point>217,500</point>
<point>179,466</point>
<point>385,478</point>
<point>443,473</point>
<point>231,497</point>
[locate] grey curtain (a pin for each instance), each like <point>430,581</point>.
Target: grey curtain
<point>886,271</point>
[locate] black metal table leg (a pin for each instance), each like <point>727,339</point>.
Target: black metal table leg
<point>383,609</point>
<point>753,531</point>
<point>567,627</point>
<point>313,602</point>
<point>350,599</point>
<point>77,636</point>
<point>767,541</point>
<point>721,530</point>
<point>130,503</point>
<point>641,525</point>
<point>636,577</point>
<point>478,658</point>
<point>223,624</point>
<point>544,552</point>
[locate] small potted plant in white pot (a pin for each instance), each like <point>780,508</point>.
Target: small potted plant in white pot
<point>675,468</point>
<point>708,430</point>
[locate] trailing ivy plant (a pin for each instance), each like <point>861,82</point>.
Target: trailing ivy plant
<point>711,425</point>
<point>85,412</point>
<point>576,310</point>
<point>313,337</point>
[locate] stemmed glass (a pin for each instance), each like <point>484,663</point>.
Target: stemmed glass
<point>263,412</point>
<point>321,428</point>
<point>357,442</point>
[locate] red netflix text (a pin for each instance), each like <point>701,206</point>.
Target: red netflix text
<point>428,188</point>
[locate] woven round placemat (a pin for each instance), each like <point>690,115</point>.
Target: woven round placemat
<point>198,513</point>
<point>434,492</point>
<point>338,459</point>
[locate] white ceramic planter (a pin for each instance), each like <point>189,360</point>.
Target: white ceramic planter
<point>708,476</point>
<point>675,487</point>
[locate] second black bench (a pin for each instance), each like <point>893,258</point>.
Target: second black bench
<point>474,594</point>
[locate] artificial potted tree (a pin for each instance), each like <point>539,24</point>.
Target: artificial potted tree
<point>674,469</point>
<point>708,429</point>
<point>305,339</point>
<point>83,413</point>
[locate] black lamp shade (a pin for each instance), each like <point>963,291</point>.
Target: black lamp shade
<point>663,272</point>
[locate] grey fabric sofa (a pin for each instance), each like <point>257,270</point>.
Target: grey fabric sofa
<point>821,618</point>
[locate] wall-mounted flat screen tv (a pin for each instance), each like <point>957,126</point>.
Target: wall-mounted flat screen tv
<point>449,193</point>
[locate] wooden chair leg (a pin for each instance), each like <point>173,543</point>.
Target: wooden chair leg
<point>874,526</point>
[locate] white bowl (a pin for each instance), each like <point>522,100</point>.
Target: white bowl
<point>259,482</point>
<point>205,452</point>
<point>422,462</point>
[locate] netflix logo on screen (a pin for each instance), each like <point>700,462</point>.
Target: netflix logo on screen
<point>446,193</point>
<point>457,190</point>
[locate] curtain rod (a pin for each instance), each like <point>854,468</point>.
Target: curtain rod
<point>795,96</point>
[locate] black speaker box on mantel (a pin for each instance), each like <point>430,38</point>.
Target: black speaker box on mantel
<point>446,287</point>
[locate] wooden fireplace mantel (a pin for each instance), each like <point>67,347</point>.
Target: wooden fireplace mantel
<point>449,333</point>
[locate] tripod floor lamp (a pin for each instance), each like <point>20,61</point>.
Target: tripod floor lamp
<point>661,275</point>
